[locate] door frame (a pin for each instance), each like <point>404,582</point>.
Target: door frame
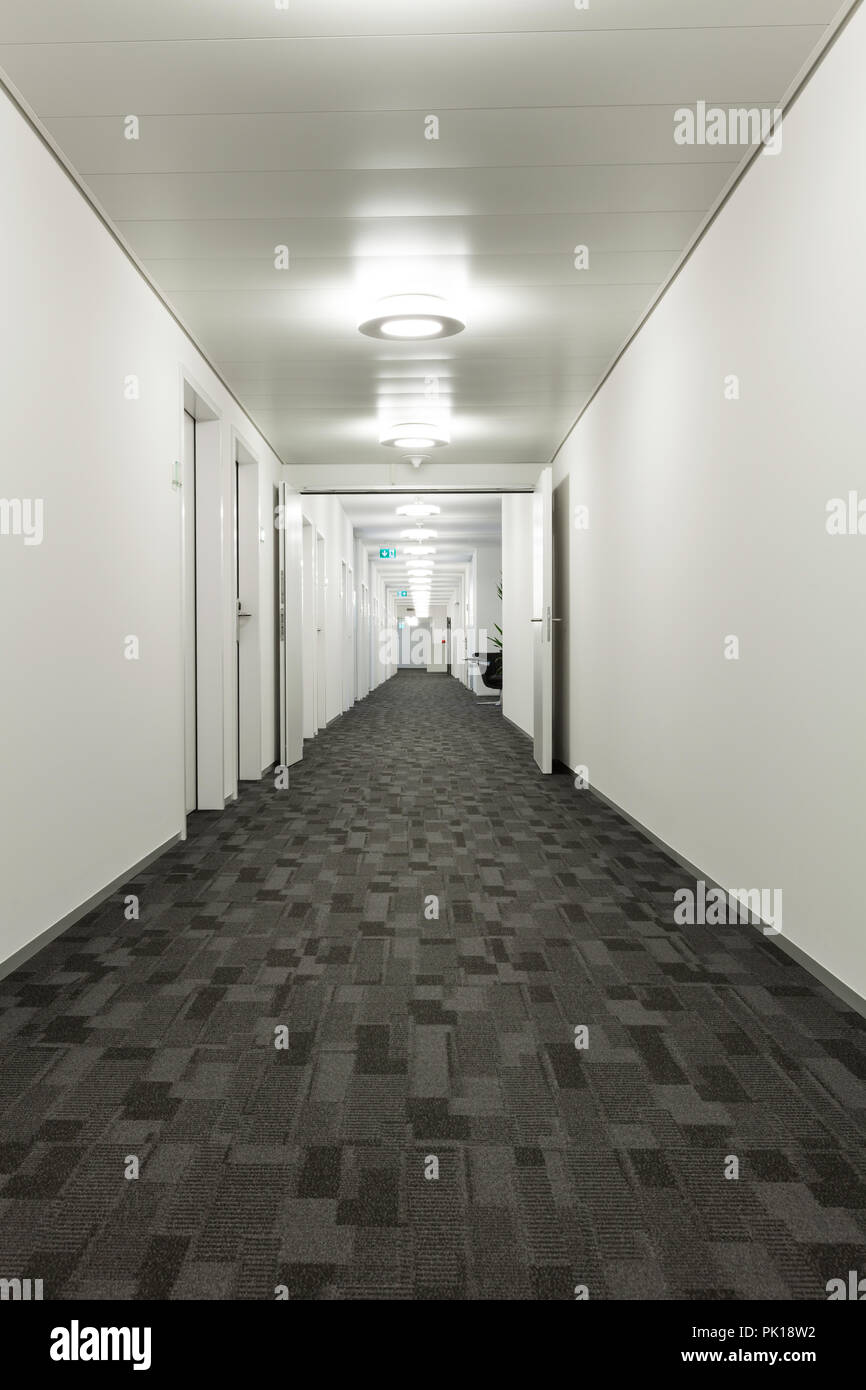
<point>206,625</point>
<point>321,631</point>
<point>542,621</point>
<point>246,579</point>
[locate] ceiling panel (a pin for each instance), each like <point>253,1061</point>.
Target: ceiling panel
<point>305,127</point>
<point>391,241</point>
<point>412,192</point>
<point>317,273</point>
<point>160,20</point>
<point>401,73</point>
<point>367,140</point>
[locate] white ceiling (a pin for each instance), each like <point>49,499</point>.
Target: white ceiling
<point>305,127</point>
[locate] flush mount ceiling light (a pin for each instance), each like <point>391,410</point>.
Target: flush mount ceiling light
<point>415,434</point>
<point>419,550</point>
<point>418,533</point>
<point>411,316</point>
<point>419,508</point>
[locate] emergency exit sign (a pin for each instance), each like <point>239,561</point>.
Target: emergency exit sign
<point>404,593</point>
<point>386,554</point>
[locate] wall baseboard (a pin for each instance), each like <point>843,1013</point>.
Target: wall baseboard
<point>32,948</point>
<point>820,973</point>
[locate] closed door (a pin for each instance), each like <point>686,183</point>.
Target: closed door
<point>349,641</point>
<point>542,620</point>
<point>189,615</point>
<point>321,652</point>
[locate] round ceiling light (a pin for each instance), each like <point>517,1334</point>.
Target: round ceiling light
<point>415,434</point>
<point>418,533</point>
<point>411,316</point>
<point>419,509</point>
<point>419,550</point>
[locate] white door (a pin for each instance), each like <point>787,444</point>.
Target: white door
<point>321,649</point>
<point>349,640</point>
<point>308,622</point>
<point>291,619</point>
<point>542,620</point>
<point>189,630</point>
<point>282,714</point>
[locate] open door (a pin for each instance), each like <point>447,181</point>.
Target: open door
<point>543,620</point>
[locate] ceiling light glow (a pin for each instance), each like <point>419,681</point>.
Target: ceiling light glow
<point>411,328</point>
<point>419,508</point>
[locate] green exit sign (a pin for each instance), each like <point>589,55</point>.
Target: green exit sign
<point>386,554</point>
<point>404,593</point>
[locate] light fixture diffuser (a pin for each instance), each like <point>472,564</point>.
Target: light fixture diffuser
<point>411,317</point>
<point>419,509</point>
<point>415,434</point>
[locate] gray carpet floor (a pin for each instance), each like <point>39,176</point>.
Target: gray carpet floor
<point>429,1129</point>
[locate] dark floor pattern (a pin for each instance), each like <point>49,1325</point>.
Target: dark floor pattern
<point>412,1038</point>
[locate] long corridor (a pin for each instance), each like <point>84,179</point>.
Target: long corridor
<point>431,921</point>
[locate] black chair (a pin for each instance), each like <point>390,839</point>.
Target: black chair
<point>490,666</point>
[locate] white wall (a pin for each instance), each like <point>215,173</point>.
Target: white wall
<point>92,744</point>
<point>308,621</point>
<point>516,624</point>
<point>707,519</point>
<point>459,613</point>
<point>488,606</point>
<point>438,638</point>
<point>488,570</point>
<point>326,514</point>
